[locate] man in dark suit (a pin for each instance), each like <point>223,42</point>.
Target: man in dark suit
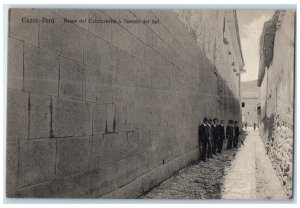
<point>229,134</point>
<point>215,132</point>
<point>203,139</point>
<point>236,135</point>
<point>210,139</point>
<point>221,130</point>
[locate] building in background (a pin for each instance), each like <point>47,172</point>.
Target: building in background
<point>250,102</point>
<point>276,82</point>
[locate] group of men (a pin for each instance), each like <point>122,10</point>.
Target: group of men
<point>211,135</point>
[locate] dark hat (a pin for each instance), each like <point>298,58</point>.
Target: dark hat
<point>205,120</point>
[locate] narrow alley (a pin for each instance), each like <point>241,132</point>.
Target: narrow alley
<point>243,173</point>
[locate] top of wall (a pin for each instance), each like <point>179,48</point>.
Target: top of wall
<point>267,46</point>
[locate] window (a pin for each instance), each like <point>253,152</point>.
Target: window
<point>243,104</point>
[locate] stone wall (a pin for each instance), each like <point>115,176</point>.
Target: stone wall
<point>104,110</point>
<point>214,33</point>
<point>278,101</point>
<point>250,97</point>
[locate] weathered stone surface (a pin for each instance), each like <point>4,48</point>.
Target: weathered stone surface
<point>75,186</point>
<point>96,50</point>
<point>36,161</point>
<point>17,115</point>
<point>124,72</point>
<point>72,80</point>
<point>99,119</point>
<point>110,117</point>
<point>62,38</point>
<point>91,83</point>
<point>96,159</point>
<point>105,85</point>
<point>41,190</point>
<point>71,118</point>
<point>102,30</point>
<point>116,175</point>
<point>122,39</point>
<point>72,155</point>
<point>40,71</point>
<point>15,64</point>
<point>133,143</point>
<point>99,183</point>
<point>23,31</point>
<point>121,117</point>
<point>152,57</point>
<point>115,147</point>
<point>133,167</point>
<point>11,166</point>
<point>40,116</point>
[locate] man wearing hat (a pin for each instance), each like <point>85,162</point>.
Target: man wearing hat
<point>215,132</point>
<point>236,134</point>
<point>203,139</point>
<point>229,134</point>
<point>210,139</point>
<point>221,132</point>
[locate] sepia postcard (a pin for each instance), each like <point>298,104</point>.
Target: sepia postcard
<point>150,103</point>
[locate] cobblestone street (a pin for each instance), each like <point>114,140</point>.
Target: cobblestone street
<point>243,173</point>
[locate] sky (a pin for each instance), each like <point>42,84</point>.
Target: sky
<point>250,25</point>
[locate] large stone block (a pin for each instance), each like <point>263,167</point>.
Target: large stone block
<point>117,174</point>
<point>99,183</point>
<point>96,50</point>
<point>134,146</point>
<point>136,66</point>
<point>130,191</point>
<point>115,147</point>
<point>97,151</point>
<point>102,30</point>
<point>124,72</point>
<point>75,186</point>
<point>71,118</point>
<point>41,190</point>
<point>36,161</point>
<point>138,49</point>
<point>62,38</point>
<point>23,31</point>
<point>40,116</point>
<point>11,166</point>
<point>122,39</point>
<point>72,155</point>
<point>133,167</point>
<point>15,64</point>
<point>99,119</point>
<point>40,71</point>
<point>110,117</point>
<point>91,83</point>
<point>121,122</point>
<point>152,57</point>
<point>17,115</point>
<point>72,80</point>
<point>104,85</point>
<point>145,34</point>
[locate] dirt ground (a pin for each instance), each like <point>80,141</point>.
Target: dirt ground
<point>197,181</point>
<point>242,173</point>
